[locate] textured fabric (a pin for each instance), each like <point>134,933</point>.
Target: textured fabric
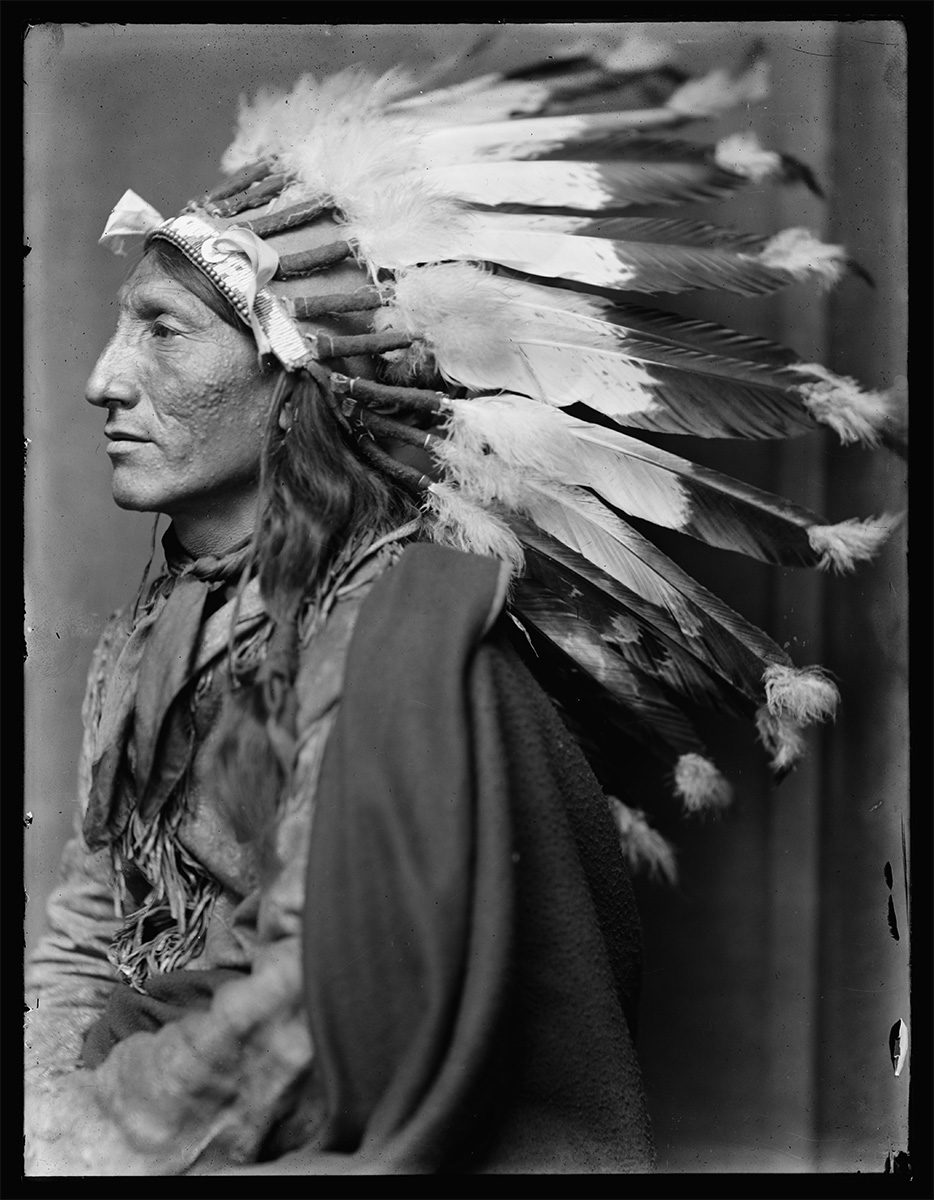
<point>471,943</point>
<point>139,718</point>
<point>209,1086</point>
<point>167,998</point>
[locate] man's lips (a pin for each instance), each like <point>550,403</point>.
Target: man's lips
<point>119,435</point>
<point>121,442</point>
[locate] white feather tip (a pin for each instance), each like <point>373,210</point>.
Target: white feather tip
<point>801,695</point>
<point>853,414</point>
<point>643,847</point>
<point>742,154</point>
<point>804,257</point>
<point>843,545</point>
<point>699,785</point>
<point>719,91</point>
<point>782,739</point>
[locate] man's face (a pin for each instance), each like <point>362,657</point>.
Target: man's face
<point>186,401</point>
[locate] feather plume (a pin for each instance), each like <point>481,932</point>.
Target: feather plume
<point>795,697</point>
<point>719,91</point>
<point>466,526</point>
<point>804,256</point>
<point>640,479</point>
<point>497,97</point>
<point>663,231</point>
<point>740,651</point>
<point>400,223</point>
<point>842,546</point>
<point>641,631</point>
<point>585,186</point>
<point>278,121</point>
<point>636,52</point>
<point>700,786</point>
<point>643,847</point>
<point>602,137</point>
<point>742,154</point>
<point>647,255</point>
<point>587,68</point>
<point>648,714</point>
<point>535,138</point>
<point>788,698</point>
<point>782,739</point>
<point>484,338</point>
<point>853,414</point>
<point>706,336</point>
<point>671,264</point>
<point>802,695</point>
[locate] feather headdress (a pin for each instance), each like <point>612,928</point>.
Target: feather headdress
<point>495,235</point>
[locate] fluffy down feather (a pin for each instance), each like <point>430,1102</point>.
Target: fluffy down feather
<point>460,523</point>
<point>278,122</point>
<point>644,848</point>
<point>700,785</point>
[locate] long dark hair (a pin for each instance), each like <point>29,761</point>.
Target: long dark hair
<point>316,497</point>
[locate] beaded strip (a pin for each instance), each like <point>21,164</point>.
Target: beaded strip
<point>232,277</point>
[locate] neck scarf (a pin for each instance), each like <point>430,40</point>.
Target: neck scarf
<point>139,711</point>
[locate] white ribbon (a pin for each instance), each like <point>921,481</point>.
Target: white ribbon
<point>131,217</point>
<point>263,260</point>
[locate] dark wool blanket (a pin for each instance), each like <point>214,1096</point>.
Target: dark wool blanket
<point>472,948</point>
<point>471,943</point>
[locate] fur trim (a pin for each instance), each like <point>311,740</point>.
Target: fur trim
<point>843,545</point>
<point>700,786</point>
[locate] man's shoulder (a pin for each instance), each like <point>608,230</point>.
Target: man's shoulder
<point>438,591</point>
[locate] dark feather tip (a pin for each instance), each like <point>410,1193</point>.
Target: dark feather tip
<point>757,51</point>
<point>780,774</point>
<point>860,271</point>
<point>795,171</point>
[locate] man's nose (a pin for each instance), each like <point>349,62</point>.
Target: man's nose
<point>113,380</point>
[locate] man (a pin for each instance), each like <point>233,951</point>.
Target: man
<point>370,910</point>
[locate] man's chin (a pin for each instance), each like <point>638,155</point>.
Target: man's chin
<point>132,500</point>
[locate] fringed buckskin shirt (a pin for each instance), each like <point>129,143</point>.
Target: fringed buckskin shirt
<point>141,896</point>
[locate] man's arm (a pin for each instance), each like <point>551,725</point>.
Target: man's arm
<point>203,1092</point>
<point>69,978</point>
